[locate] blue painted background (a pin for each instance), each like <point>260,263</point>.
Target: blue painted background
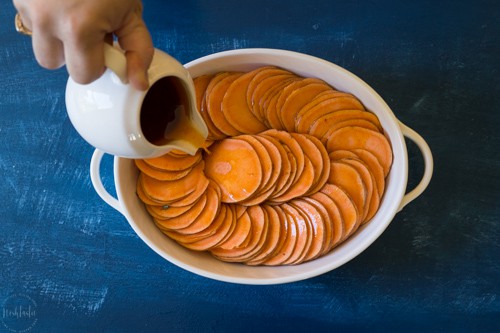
<point>435,269</point>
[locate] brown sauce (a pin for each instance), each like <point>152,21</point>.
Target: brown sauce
<point>165,114</point>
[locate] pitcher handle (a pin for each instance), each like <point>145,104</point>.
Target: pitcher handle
<point>115,60</point>
<point>95,177</point>
<point>428,164</point>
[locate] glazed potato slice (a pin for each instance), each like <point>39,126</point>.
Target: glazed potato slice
<point>273,237</point>
<point>266,163</point>
<point>288,90</point>
<point>316,219</point>
<point>207,215</point>
<point>239,236</point>
<point>182,220</point>
<point>260,75</point>
<point>371,204</point>
<point>348,210</point>
<point>169,191</point>
<point>337,223</point>
<point>160,174</point>
<point>361,138</point>
<point>201,84</point>
<point>348,178</point>
<point>238,181</point>
<point>173,162</point>
<point>323,229</point>
<point>210,237</point>
<point>284,251</point>
<point>302,235</point>
<point>298,99</point>
<point>218,88</point>
<point>264,90</point>
<point>255,239</point>
<point>235,107</point>
<point>374,166</point>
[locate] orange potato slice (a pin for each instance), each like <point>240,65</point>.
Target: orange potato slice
<point>374,166</point>
<point>235,107</point>
<point>239,235</point>
<point>347,208</point>
<point>256,239</point>
<point>273,236</point>
<point>361,138</point>
<point>316,234</point>
<point>238,181</point>
<point>185,219</point>
<point>173,162</point>
<point>207,215</point>
<point>266,88</point>
<point>337,226</point>
<point>170,191</point>
<point>305,120</point>
<point>302,235</point>
<point>259,75</point>
<point>298,99</point>
<point>160,174</point>
<point>218,88</point>
<point>324,230</point>
<point>290,239</point>
<point>348,178</point>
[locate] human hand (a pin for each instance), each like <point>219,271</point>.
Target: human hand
<point>73,32</point>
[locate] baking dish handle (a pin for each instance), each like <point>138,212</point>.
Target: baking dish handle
<point>95,177</point>
<point>428,164</point>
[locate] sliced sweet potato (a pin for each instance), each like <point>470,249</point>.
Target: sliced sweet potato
<point>179,215</point>
<point>323,230</point>
<point>240,234</point>
<point>266,88</point>
<point>288,90</point>
<point>235,107</point>
<point>338,229</point>
<point>302,235</point>
<point>207,215</point>
<point>183,220</point>
<point>266,163</point>
<point>340,154</point>
<point>172,162</point>
<point>298,99</point>
<point>316,235</point>
<point>286,250</point>
<point>214,102</point>
<point>305,119</point>
<point>160,174</point>
<point>348,210</point>
<point>348,178</point>
<point>210,237</point>
<point>261,74</point>
<point>238,181</point>
<point>374,166</point>
<point>371,204</point>
<point>171,191</point>
<point>189,199</point>
<point>256,239</point>
<point>273,236</point>
<point>361,138</point>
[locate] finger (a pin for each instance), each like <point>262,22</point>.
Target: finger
<point>48,50</point>
<point>84,61</point>
<point>135,39</point>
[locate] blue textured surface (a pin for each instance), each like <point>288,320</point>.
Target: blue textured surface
<point>435,269</point>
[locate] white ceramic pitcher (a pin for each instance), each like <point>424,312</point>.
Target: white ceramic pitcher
<point>118,119</point>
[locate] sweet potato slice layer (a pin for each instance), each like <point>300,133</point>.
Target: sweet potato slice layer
<point>237,180</point>
<point>290,170</point>
<point>235,107</point>
<point>361,138</point>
